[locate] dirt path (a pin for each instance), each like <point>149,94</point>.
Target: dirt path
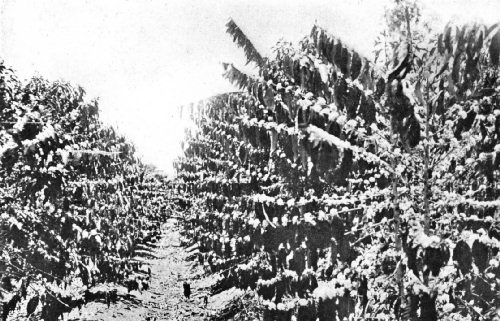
<point>164,300</point>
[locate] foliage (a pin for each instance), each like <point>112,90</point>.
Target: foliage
<point>76,208</point>
<point>243,42</point>
<point>339,187</point>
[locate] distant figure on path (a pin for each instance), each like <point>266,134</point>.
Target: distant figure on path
<point>187,290</point>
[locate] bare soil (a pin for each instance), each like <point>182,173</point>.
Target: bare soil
<point>164,300</point>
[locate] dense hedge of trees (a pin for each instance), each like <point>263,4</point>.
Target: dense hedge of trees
<point>337,187</point>
<point>77,207</point>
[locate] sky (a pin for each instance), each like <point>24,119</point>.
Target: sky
<point>145,58</point>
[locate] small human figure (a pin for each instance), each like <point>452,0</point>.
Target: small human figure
<point>187,290</point>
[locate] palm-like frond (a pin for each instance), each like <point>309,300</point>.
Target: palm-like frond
<point>237,77</point>
<point>351,63</point>
<point>470,39</point>
<point>463,55</point>
<point>242,41</point>
<point>494,48</point>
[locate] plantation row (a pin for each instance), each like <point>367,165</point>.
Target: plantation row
<point>337,188</point>
<point>78,208</point>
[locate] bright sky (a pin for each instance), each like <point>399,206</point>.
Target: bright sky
<point>145,58</point>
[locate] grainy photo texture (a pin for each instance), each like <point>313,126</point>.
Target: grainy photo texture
<point>249,160</point>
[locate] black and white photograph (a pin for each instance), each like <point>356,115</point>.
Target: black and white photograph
<point>264,160</point>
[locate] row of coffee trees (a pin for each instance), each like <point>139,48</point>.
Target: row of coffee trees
<point>76,204</point>
<point>340,188</point>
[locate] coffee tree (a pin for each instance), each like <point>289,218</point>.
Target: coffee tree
<point>336,187</point>
<point>76,207</point>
